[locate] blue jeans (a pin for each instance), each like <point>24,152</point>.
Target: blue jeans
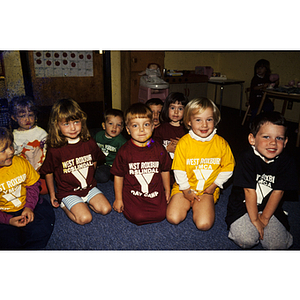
<point>34,235</point>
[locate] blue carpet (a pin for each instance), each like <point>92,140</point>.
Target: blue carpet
<point>114,232</point>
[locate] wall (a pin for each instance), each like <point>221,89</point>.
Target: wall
<point>115,57</point>
<point>13,74</point>
<point>240,65</point>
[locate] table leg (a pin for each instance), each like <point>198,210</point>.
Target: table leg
<point>221,97</point>
<point>216,89</point>
<point>261,103</point>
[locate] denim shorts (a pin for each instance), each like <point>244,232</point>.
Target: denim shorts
<point>71,200</point>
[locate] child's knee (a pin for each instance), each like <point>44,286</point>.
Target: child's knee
<point>203,225</point>
<point>83,219</point>
<point>281,241</point>
<point>174,218</point>
<point>244,240</point>
<point>106,209</point>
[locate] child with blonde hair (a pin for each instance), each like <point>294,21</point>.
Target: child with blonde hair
<point>203,162</point>
<point>71,159</point>
<point>26,221</point>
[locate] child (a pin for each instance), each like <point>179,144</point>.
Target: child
<point>109,140</point>
<point>262,174</point>
<point>203,162</point>
<point>156,105</point>
<point>141,169</point>
<point>29,138</point>
<point>171,129</point>
<point>260,81</point>
<point>71,159</point>
<point>25,222</point>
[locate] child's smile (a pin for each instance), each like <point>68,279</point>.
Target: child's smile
<point>203,123</point>
<point>70,129</point>
<point>113,126</point>
<point>269,141</point>
<point>140,130</point>
<point>176,112</point>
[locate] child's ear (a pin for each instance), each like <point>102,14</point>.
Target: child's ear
<point>127,129</point>
<point>285,142</point>
<point>13,117</point>
<point>251,139</point>
<point>103,125</point>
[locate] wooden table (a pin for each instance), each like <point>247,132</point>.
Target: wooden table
<point>285,97</point>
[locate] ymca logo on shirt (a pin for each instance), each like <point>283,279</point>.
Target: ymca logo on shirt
<point>144,173</point>
<point>263,186</point>
<point>11,190</point>
<point>79,167</point>
<point>203,169</point>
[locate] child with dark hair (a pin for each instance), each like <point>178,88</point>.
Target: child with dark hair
<point>71,160</point>
<point>261,80</point>
<point>26,221</point>
<point>29,139</point>
<point>110,140</point>
<point>263,175</point>
<point>171,128</point>
<point>156,105</point>
<point>142,171</point>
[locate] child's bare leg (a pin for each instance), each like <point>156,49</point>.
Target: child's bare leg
<point>100,205</point>
<point>204,212</point>
<point>79,213</point>
<point>177,208</point>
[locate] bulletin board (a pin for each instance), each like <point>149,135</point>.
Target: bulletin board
<point>63,63</point>
<point>66,74</point>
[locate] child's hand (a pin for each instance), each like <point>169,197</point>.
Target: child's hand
<point>211,189</point>
<point>54,201</point>
<point>167,193</point>
<point>118,206</point>
<point>263,220</point>
<point>191,195</point>
<point>18,221</point>
<point>172,145</point>
<point>260,228</point>
<point>28,214</point>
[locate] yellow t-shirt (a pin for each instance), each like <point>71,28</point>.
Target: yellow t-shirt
<point>202,162</point>
<point>13,182</point>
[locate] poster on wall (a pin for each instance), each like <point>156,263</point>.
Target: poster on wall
<point>63,63</point>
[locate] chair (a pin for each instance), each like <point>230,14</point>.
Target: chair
<point>248,112</point>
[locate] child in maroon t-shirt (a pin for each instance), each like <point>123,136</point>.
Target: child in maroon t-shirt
<point>141,171</point>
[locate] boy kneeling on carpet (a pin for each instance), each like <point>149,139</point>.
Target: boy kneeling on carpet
<point>25,222</point>
<point>141,171</point>
<point>262,176</point>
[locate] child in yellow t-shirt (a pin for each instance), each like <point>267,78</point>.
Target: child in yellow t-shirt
<point>25,221</point>
<point>203,162</point>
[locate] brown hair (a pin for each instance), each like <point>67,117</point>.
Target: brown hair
<point>137,110</point>
<point>65,109</point>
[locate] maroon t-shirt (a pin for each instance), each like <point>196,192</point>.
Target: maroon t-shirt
<point>165,132</point>
<point>72,166</point>
<point>143,191</point>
